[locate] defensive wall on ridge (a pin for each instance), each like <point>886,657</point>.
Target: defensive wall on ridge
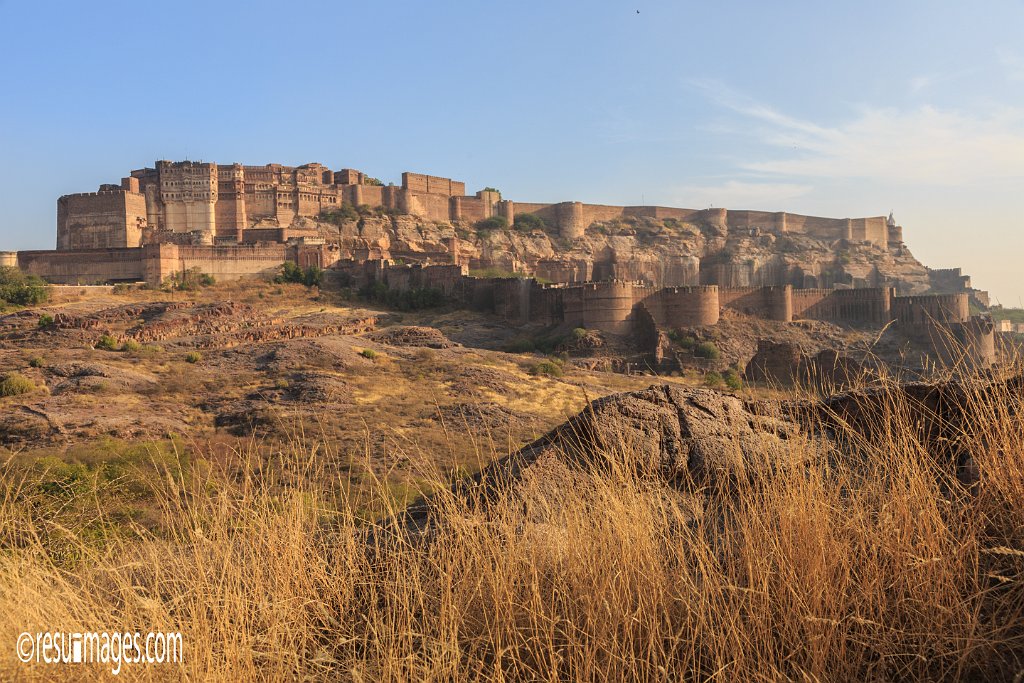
<point>154,263</point>
<point>214,203</point>
<point>611,306</point>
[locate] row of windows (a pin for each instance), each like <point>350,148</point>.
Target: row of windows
<point>195,195</point>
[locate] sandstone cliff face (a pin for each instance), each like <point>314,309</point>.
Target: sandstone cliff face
<point>663,252</point>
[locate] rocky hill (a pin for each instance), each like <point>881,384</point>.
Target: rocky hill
<point>662,251</point>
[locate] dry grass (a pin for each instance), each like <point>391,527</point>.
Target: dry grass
<point>870,564</point>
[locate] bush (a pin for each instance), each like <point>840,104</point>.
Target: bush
<point>687,342</point>
<point>552,367</point>
<point>345,212</point>
<point>45,320</point>
<point>732,379</point>
<point>293,272</point>
<point>20,289</point>
<point>579,333</point>
<point>413,299</point>
<point>491,224</point>
<point>36,362</point>
<point>368,353</point>
<point>706,350</point>
<point>529,222</point>
<point>131,346</point>
<point>122,288</point>
<point>713,380</point>
<point>15,384</point>
<point>106,343</point>
<point>193,357</point>
<point>189,280</point>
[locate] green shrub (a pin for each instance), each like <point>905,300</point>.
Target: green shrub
<point>706,350</point>
<point>492,189</point>
<point>491,224</point>
<point>293,272</point>
<point>713,380</point>
<point>345,212</point>
<point>368,353</point>
<point>414,299</point>
<point>529,222</point>
<point>552,367</point>
<point>45,320</point>
<point>131,346</point>
<point>15,384</point>
<point>106,343</point>
<point>36,362</point>
<point>122,288</point>
<point>579,333</point>
<point>732,379</point>
<point>20,289</point>
<point>193,357</point>
<point>369,180</point>
<point>686,341</point>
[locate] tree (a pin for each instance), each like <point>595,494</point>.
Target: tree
<point>20,289</point>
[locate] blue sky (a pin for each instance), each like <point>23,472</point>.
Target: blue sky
<point>837,109</point>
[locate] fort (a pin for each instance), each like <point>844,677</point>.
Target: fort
<point>940,323</point>
<point>231,221</point>
<point>207,208</point>
<point>208,204</point>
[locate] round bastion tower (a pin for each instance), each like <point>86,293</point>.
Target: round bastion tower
<point>570,220</point>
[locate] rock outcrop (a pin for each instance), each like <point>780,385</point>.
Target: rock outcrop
<point>666,252</point>
<point>697,438</point>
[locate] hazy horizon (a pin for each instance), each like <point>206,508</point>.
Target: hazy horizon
<point>820,110</point>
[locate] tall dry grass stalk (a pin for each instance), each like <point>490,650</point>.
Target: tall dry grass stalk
<point>871,563</point>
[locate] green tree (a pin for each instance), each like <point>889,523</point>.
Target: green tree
<point>19,289</point>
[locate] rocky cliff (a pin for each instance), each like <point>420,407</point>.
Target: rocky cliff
<point>665,252</point>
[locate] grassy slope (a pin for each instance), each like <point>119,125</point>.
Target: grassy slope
<point>875,566</point>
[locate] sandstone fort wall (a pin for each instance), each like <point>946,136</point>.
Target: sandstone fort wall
<point>771,303</point>
<point>86,266</point>
<point>600,305</point>
<point>924,309</point>
<point>851,306</point>
<point>674,307</point>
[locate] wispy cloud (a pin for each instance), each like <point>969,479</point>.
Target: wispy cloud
<point>925,145</point>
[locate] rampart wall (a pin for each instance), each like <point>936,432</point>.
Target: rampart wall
<point>924,309</point>
<point>85,266</point>
<point>222,262</point>
<point>604,306</point>
<point>851,306</point>
<point>771,303</point>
